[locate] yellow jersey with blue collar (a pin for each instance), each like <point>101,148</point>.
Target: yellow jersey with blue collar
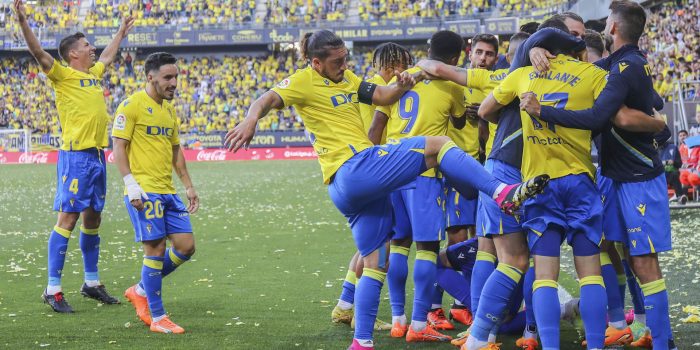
<point>331,115</point>
<point>80,101</point>
<point>424,110</point>
<point>152,131</point>
<point>480,83</point>
<point>367,111</point>
<point>548,148</point>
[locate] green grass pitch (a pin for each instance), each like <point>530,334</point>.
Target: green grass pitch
<point>271,254</point>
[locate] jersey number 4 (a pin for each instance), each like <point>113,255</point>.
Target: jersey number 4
<point>559,100</point>
<point>408,109</point>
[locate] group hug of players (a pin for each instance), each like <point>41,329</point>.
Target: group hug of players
<point>408,174</point>
<point>537,187</point>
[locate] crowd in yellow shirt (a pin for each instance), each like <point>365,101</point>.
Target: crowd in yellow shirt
<point>305,11</point>
<point>673,44</point>
<point>45,15</point>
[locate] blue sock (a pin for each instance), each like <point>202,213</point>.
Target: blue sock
<point>454,284</point>
<point>173,259</point>
<point>437,294</point>
<point>152,280</point>
<point>635,291</point>
<point>622,287</point>
<point>656,302</point>
<point>495,299</point>
<point>527,296</point>
<point>516,300</point>
<point>348,293</point>
<point>424,277</point>
<point>544,297</point>
<point>58,245</point>
<point>396,279</point>
<point>483,267</point>
<point>367,296</point>
<point>616,311</point>
<point>90,247</point>
<point>465,173</point>
<point>593,305</point>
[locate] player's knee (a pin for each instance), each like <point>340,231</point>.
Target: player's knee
<point>428,246</point>
<point>67,221</point>
<point>433,144</point>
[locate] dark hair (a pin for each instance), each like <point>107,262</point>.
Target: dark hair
<point>556,21</point>
<point>158,59</point>
<point>486,38</point>
<point>597,25</point>
<point>594,41</point>
<point>685,131</point>
<point>316,44</point>
<point>529,27</point>
<point>391,55</point>
<point>66,45</point>
<point>571,15</point>
<point>519,37</point>
<point>630,17</point>
<point>446,45</point>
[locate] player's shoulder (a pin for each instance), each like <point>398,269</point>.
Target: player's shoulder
<point>301,75</point>
<point>132,102</point>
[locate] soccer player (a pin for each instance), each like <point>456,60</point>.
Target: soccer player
<point>426,110</point>
<point>359,175</point>
<point>570,209</point>
<point>81,174</point>
<point>631,160</point>
<point>146,150</point>
<point>387,59</point>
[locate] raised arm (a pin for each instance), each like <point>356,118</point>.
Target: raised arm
<point>243,133</point>
<point>180,166</point>
<point>110,52</point>
<point>444,71</point>
<point>547,39</point>
<point>489,109</point>
<point>44,59</point>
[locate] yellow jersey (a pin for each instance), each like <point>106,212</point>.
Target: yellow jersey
<point>331,115</point>
<point>424,110</point>
<point>152,131</point>
<point>549,148</point>
<point>480,83</point>
<point>80,102</point>
<point>367,111</point>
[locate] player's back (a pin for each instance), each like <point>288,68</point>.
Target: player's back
<point>424,110</point>
<point>548,148</point>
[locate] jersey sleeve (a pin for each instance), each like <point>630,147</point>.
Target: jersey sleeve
<point>98,69</point>
<point>58,71</point>
<point>609,101</point>
<point>175,138</point>
<point>478,78</point>
<point>354,79</point>
<point>125,120</point>
<point>547,38</point>
<point>506,92</point>
<point>293,89</point>
<point>599,81</point>
<point>384,109</point>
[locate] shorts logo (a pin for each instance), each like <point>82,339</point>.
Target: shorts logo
<point>283,84</point>
<point>382,153</point>
<point>634,243</point>
<point>149,227</point>
<point>64,178</point>
<point>461,256</point>
<point>120,122</point>
<point>72,201</point>
<point>642,209</point>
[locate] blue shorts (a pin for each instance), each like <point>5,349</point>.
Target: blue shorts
<point>492,221</point>
<point>162,215</point>
<point>81,181</point>
<point>647,217</point>
<point>418,210</point>
<point>462,255</point>
<point>613,227</point>
<point>571,206</point>
<point>460,211</point>
<point>360,188</point>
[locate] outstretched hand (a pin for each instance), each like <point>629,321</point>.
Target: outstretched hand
<point>405,80</point>
<point>540,59</point>
<point>127,24</point>
<point>20,10</point>
<point>240,136</point>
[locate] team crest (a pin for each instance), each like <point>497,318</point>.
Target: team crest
<point>283,84</point>
<point>642,209</point>
<point>119,123</point>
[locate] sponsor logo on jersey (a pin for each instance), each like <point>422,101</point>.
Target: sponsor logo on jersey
<point>341,99</point>
<point>159,131</point>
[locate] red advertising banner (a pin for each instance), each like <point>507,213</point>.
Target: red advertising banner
<point>206,155</point>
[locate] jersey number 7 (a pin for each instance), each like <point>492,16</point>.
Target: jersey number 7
<point>559,100</point>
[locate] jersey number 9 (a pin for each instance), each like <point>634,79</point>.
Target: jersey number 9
<point>408,109</point>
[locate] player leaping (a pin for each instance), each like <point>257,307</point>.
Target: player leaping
<point>360,175</point>
<point>82,175</point>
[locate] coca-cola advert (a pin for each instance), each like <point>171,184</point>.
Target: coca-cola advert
<point>205,155</point>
